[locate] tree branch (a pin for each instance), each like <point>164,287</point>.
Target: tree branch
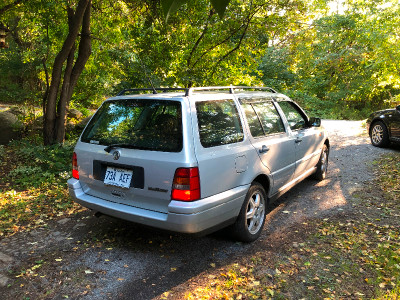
<point>200,38</point>
<point>246,26</point>
<point>216,45</point>
<point>9,6</point>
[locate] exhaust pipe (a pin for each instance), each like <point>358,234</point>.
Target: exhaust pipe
<point>98,214</point>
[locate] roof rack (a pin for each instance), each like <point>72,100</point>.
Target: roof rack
<point>162,90</point>
<point>231,89</point>
<point>190,91</point>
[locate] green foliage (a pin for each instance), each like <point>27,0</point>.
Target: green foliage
<point>275,66</point>
<point>2,152</point>
<point>34,184</point>
<point>39,165</point>
<point>131,44</point>
<point>343,65</point>
<point>348,61</point>
<point>171,6</point>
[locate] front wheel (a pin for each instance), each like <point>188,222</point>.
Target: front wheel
<point>251,219</point>
<point>379,135</point>
<point>322,165</point>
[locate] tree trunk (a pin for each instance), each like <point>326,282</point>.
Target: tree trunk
<point>58,96</point>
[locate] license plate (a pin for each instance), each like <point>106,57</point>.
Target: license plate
<point>118,177</point>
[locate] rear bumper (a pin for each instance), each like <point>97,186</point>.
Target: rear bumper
<point>187,217</point>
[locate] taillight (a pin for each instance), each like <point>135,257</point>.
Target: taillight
<point>75,172</point>
<point>186,185</point>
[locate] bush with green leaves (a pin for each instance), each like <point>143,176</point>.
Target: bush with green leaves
<point>38,165</point>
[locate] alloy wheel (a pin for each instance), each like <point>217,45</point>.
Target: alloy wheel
<point>255,212</point>
<point>377,134</point>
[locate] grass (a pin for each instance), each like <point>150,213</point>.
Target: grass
<point>344,257</point>
<point>33,187</point>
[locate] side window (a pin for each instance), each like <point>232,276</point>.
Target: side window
<point>253,120</point>
<point>269,117</point>
<point>295,119</point>
<point>263,118</point>
<point>218,122</point>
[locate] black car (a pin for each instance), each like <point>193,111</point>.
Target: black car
<point>384,127</point>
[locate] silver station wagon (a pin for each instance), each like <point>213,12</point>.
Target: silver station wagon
<point>196,160</point>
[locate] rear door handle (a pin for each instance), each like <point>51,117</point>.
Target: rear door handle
<point>263,149</point>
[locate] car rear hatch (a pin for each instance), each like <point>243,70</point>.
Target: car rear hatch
<point>130,150</point>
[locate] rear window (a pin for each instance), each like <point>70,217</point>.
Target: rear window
<point>140,123</point>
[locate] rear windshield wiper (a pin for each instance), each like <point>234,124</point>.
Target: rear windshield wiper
<point>112,146</point>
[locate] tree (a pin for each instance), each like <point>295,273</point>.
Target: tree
<point>171,6</point>
<point>67,69</point>
<point>113,43</point>
<point>54,107</point>
<point>343,61</point>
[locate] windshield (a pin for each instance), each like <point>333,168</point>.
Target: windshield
<point>140,123</point>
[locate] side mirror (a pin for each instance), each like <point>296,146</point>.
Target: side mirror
<point>314,122</point>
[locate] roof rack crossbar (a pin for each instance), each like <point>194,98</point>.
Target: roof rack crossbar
<point>190,91</point>
<point>231,89</point>
<point>163,90</point>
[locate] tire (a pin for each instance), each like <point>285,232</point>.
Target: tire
<point>379,135</point>
<point>322,165</point>
<point>251,219</point>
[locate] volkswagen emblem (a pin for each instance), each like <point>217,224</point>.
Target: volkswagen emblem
<point>116,155</point>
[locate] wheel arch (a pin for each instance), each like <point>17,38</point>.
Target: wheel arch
<point>264,180</point>
<point>327,143</point>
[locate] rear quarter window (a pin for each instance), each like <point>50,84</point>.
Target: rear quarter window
<point>218,123</point>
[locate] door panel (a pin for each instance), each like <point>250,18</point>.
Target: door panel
<point>279,158</point>
<point>395,126</point>
<point>308,150</point>
<point>274,146</point>
<point>308,145</point>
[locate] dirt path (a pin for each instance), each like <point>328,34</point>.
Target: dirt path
<point>90,258</point>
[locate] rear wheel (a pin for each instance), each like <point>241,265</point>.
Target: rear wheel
<point>251,219</point>
<point>322,165</point>
<point>379,135</point>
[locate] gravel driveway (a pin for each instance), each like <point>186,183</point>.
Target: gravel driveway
<point>89,258</point>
